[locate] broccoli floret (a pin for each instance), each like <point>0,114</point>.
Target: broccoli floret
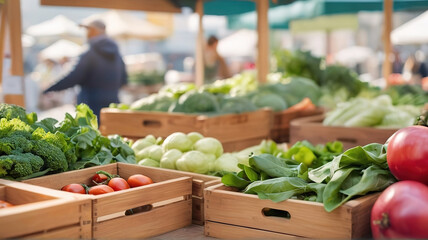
<point>15,143</point>
<point>52,155</point>
<point>20,165</point>
<point>11,111</point>
<point>59,140</point>
<point>8,127</point>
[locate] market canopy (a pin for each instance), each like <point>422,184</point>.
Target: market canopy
<point>412,32</point>
<point>242,43</point>
<point>281,16</point>
<point>61,49</point>
<point>123,25</point>
<point>59,27</point>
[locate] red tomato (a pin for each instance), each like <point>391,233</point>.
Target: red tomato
<point>407,154</point>
<point>99,178</point>
<point>4,204</point>
<point>118,184</point>
<point>74,188</point>
<point>137,180</point>
<point>100,189</point>
<point>401,211</point>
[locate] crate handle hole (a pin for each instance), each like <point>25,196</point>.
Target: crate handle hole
<point>349,140</point>
<point>272,212</point>
<point>152,123</point>
<point>140,209</point>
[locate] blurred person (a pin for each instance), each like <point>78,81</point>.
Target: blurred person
<point>100,71</point>
<point>413,70</point>
<point>215,65</point>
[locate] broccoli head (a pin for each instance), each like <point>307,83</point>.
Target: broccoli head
<point>8,127</point>
<point>59,140</point>
<point>15,143</point>
<point>53,157</point>
<point>11,111</point>
<point>20,165</point>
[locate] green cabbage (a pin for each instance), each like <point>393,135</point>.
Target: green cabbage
<point>194,161</point>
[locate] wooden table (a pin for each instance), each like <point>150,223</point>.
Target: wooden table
<point>189,232</point>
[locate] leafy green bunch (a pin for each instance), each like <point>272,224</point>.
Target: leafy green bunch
<point>31,149</point>
<point>339,178</point>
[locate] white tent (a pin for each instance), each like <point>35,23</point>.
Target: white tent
<point>353,55</point>
<point>242,43</point>
<point>121,25</point>
<point>412,32</point>
<point>60,49</point>
<point>56,28</point>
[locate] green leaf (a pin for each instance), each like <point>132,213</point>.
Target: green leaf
<point>273,166</point>
<point>233,180</point>
<point>251,174</point>
<point>331,196</point>
<point>277,189</point>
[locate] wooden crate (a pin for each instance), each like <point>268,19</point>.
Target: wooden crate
<point>234,131</point>
<point>167,202</point>
<point>230,214</point>
<point>42,213</point>
<point>312,129</point>
<point>280,131</point>
<point>199,183</point>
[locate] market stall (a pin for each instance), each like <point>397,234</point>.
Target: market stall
<point>231,155</point>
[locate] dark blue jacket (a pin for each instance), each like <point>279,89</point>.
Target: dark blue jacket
<point>100,73</point>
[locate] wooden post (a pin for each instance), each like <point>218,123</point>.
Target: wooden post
<point>2,38</point>
<point>263,40</point>
<point>200,42</point>
<point>387,21</point>
<point>17,66</point>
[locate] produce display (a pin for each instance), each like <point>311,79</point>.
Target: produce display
<point>193,152</point>
<point>402,211</point>
<point>377,112</point>
<point>235,95</point>
<point>104,182</point>
<point>333,180</point>
<point>31,148</point>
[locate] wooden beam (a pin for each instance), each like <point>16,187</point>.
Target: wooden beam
<point>2,38</point>
<point>15,30</point>
<point>200,45</point>
<point>12,21</point>
<point>387,28</point>
<point>263,40</point>
<point>142,5</point>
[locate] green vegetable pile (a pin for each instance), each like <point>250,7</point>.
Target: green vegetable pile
<point>377,112</point>
<point>193,152</point>
<point>235,95</point>
<point>331,181</point>
<point>31,148</point>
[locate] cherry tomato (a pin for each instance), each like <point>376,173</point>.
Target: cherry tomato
<point>401,212</point>
<point>99,178</point>
<point>100,189</point>
<point>118,184</point>
<point>407,154</point>
<point>137,180</point>
<point>74,188</point>
<point>4,204</point>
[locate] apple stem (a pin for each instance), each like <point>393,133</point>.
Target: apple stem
<point>384,222</point>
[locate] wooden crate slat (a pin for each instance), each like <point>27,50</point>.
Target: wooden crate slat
<point>226,231</point>
<point>59,233</point>
<point>197,210</point>
<point>121,201</point>
<point>19,196</point>
<point>229,129</point>
<point>308,219</point>
<point>147,224</point>
<point>312,129</point>
<point>280,131</point>
<point>38,217</point>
